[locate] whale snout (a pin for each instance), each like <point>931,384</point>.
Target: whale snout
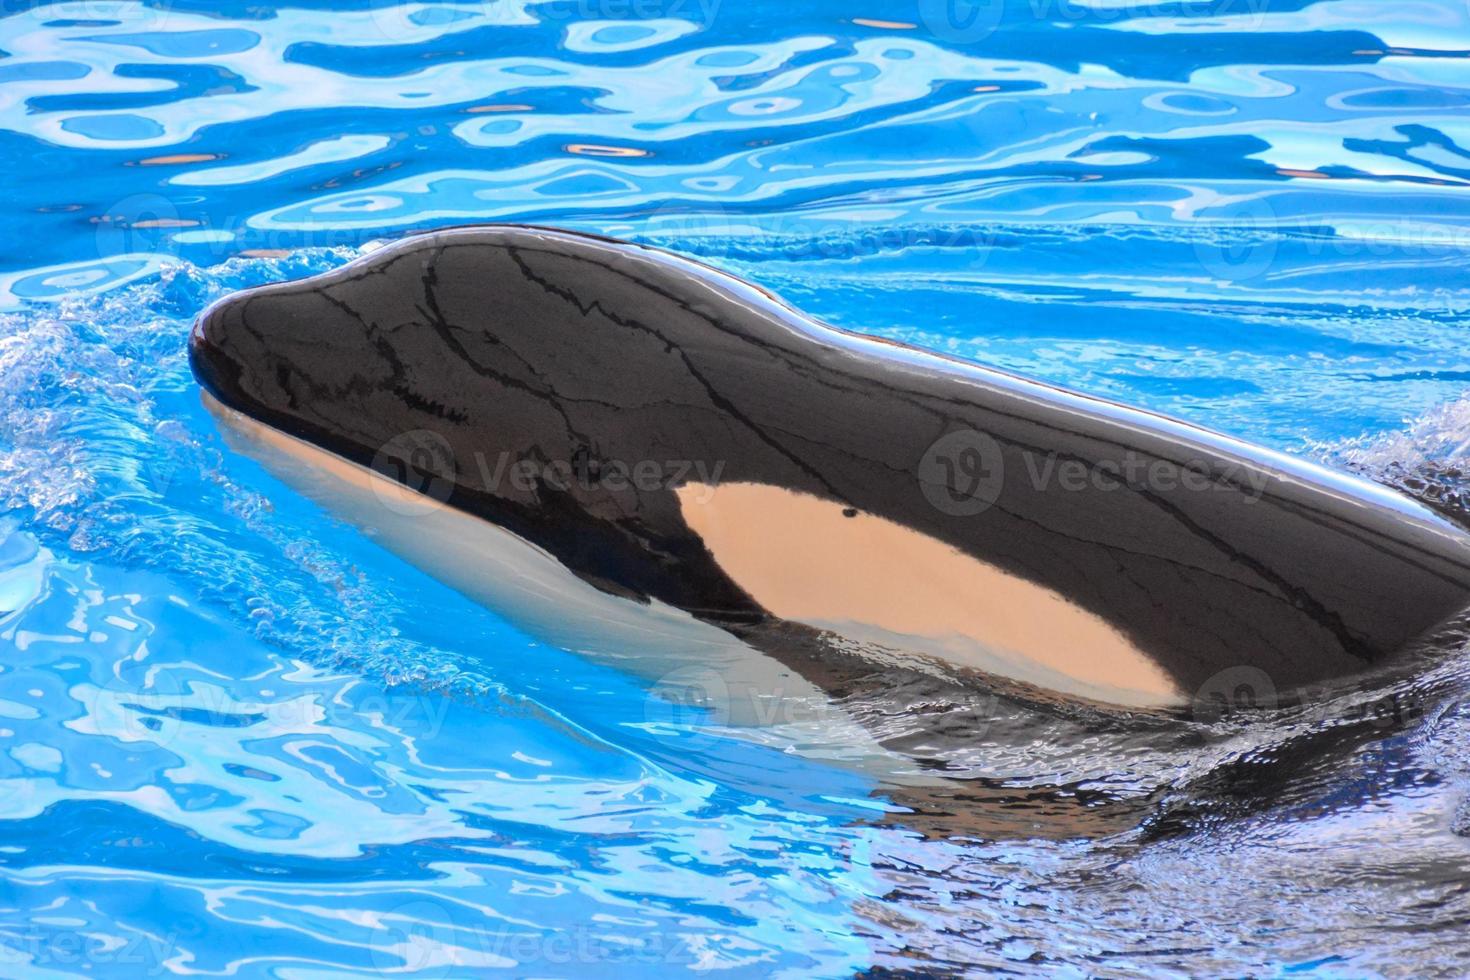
<point>280,354</point>
<point>215,352</point>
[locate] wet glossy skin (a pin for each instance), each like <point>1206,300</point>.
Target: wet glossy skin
<point>626,379</point>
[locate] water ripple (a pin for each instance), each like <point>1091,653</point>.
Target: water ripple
<point>237,738</point>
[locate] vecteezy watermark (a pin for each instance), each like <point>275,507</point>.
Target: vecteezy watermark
<point>179,225</point>
<point>697,697</point>
<point>802,238</point>
<point>423,461</point>
<point>1241,244</point>
<point>701,12</point>
<point>159,712</point>
<point>964,472</point>
<point>138,15</point>
<point>69,950</point>
<point>849,240</point>
<point>400,21</point>
<point>689,697</point>
<point>961,21</point>
<point>588,473</point>
<point>428,938</point>
<point>972,21</point>
<point>1233,690</point>
<point>181,228</point>
<point>144,711</point>
<point>1241,240</point>
<point>704,229</point>
<point>1243,690</point>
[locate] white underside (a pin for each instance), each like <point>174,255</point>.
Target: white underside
<point>747,693</point>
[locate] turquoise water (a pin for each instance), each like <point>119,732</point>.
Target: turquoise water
<point>237,738</point>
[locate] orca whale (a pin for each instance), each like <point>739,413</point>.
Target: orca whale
<point>620,442</point>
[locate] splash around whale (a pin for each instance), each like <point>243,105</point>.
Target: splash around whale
<point>636,453</point>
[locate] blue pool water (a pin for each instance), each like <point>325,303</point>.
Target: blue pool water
<point>237,738</point>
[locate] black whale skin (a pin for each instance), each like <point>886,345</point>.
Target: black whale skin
<point>516,343</point>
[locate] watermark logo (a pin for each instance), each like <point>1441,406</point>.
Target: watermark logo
<point>590,472</point>
<point>689,697</point>
<point>1240,690</point>
<point>699,227</point>
<point>1392,712</point>
<point>421,461</point>
<point>1234,690</point>
<point>139,223</point>
<point>144,713</point>
<point>701,12</point>
<point>424,938</point>
<point>971,21</point>
<point>961,21</point>
<point>694,697</point>
<point>77,952</point>
<point>149,15</point>
<point>422,469</point>
<point>961,474</point>
<point>1241,245</point>
<point>164,227</point>
<point>404,21</point>
<point>416,938</point>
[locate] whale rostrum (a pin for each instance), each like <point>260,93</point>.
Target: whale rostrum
<point>672,439</point>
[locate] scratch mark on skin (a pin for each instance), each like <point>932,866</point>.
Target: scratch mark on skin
<point>718,400</point>
<point>1290,592</point>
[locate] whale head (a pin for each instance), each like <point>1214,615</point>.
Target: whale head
<point>521,374</point>
<point>471,329</point>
